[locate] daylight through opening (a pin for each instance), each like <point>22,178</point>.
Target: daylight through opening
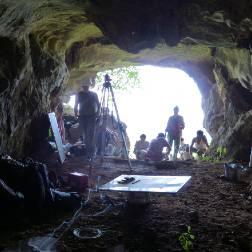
<point>146,108</point>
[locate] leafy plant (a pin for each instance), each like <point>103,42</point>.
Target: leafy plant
<point>68,110</point>
<point>210,159</point>
<point>124,78</point>
<point>205,158</point>
<point>218,156</point>
<point>221,152</point>
<point>186,239</point>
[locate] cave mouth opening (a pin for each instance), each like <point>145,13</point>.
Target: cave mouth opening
<point>146,108</point>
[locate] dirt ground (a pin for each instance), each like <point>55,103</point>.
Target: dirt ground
<point>219,213</point>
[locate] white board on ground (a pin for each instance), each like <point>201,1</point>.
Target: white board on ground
<point>57,136</point>
<point>142,183</point>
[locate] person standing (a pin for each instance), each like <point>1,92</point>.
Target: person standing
<point>174,129</point>
<point>86,109</point>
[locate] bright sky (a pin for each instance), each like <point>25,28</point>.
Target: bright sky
<point>147,109</point>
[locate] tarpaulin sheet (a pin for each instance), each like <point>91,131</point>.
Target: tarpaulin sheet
<point>142,183</point>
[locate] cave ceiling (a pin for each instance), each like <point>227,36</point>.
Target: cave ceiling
<point>92,36</point>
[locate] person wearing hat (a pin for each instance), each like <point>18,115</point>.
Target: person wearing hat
<point>86,109</point>
<point>174,129</point>
<point>155,150</point>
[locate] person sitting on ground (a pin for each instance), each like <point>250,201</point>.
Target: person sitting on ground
<point>184,150</point>
<point>200,143</point>
<point>155,150</point>
<point>120,150</point>
<point>113,141</point>
<point>106,141</point>
<point>141,147</point>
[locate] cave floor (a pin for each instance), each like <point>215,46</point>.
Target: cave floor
<point>219,213</point>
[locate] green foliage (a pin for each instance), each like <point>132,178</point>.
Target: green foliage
<point>124,78</point>
<point>68,110</point>
<point>221,152</point>
<point>186,239</point>
<point>206,158</point>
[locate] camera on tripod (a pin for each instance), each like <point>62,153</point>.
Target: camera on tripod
<point>107,80</point>
<point>107,99</point>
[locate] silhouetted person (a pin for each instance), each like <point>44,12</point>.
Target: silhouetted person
<point>199,144</point>
<point>184,150</point>
<point>88,110</point>
<point>141,147</point>
<point>174,129</point>
<point>155,150</point>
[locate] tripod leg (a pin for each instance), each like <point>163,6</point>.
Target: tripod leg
<point>99,139</point>
<point>120,128</point>
<point>104,116</point>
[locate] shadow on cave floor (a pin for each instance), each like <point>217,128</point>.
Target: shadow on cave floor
<point>218,211</point>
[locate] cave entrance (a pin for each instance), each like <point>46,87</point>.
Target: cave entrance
<point>146,109</point>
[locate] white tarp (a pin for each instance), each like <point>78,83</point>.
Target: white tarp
<point>57,136</point>
<point>142,183</point>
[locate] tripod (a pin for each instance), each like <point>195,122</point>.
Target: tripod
<point>107,94</point>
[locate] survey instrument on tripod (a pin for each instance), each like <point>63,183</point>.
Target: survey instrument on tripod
<point>107,102</point>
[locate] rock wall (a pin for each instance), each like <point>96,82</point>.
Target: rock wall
<point>28,77</point>
<point>228,109</point>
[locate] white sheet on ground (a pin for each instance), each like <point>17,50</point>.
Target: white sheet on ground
<point>142,183</point>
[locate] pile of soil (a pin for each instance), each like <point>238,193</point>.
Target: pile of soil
<point>218,211</point>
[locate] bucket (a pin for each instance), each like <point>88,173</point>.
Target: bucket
<point>233,171</point>
<point>230,173</point>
